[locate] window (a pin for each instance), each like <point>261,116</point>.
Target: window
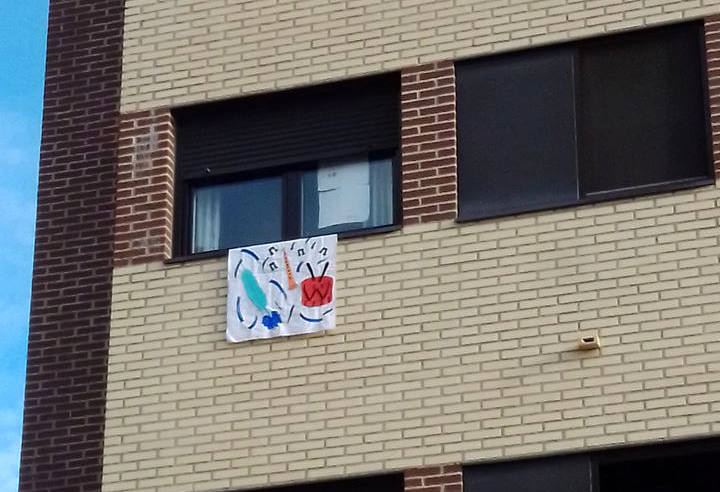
<point>516,131</point>
<point>235,213</point>
<point>306,162</point>
<point>345,194</point>
<point>569,473</point>
<point>393,482</point>
<point>681,466</point>
<point>333,196</point>
<point>614,116</point>
<point>692,471</point>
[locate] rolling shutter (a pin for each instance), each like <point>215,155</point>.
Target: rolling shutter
<point>288,127</point>
<point>571,473</point>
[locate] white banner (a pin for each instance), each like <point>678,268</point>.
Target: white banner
<point>281,289</point>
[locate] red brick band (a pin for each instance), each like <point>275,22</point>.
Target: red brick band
<point>146,176</point>
<point>429,155</point>
<point>70,308</point>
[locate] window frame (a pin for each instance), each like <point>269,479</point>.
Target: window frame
<point>292,194</point>
<point>621,193</point>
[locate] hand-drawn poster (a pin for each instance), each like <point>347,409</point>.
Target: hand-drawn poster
<point>281,289</point>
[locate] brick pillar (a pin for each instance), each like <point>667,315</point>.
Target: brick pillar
<point>712,44</point>
<point>446,478</point>
<point>146,170</point>
<point>429,154</point>
<point>64,415</point>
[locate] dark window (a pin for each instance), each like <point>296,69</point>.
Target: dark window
<point>304,162</point>
<point>642,112</point>
<point>376,483</point>
<point>614,116</point>
<point>680,466</point>
<point>558,474</point>
<point>517,142</point>
<point>694,472</point>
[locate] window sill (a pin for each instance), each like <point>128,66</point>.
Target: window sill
<point>218,253</point>
<point>197,256</point>
<point>600,197</point>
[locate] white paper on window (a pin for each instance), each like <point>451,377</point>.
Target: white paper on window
<point>344,193</point>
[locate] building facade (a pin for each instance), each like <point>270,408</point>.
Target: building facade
<point>536,172</point>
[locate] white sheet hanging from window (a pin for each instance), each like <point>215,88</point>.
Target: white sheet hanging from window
<point>344,193</point>
<point>281,289</point>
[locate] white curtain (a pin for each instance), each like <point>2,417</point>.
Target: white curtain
<point>381,193</point>
<point>206,218</point>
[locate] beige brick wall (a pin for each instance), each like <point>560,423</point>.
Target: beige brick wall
<point>455,343</point>
<point>184,51</point>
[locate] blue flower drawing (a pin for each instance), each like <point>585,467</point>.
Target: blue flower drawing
<point>271,321</point>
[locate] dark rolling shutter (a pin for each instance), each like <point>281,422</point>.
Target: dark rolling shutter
<point>296,126</point>
<point>641,115</point>
<point>516,140</point>
<point>570,473</point>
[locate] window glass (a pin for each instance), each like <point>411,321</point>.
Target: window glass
<point>616,116</point>
<point>345,194</point>
<point>571,473</point>
<point>641,110</point>
<point>239,213</point>
<point>516,133</point>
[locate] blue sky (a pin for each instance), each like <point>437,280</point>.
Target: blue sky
<point>22,46</point>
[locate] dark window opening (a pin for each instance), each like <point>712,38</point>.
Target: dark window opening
<point>570,473</point>
<point>642,111</point>
<point>378,483</point>
<point>694,472</point>
<point>311,161</point>
<point>516,119</point>
<point>620,115</point>
<point>680,466</point>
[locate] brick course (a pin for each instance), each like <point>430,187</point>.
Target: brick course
<point>70,309</point>
<point>146,170</point>
<point>428,143</point>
